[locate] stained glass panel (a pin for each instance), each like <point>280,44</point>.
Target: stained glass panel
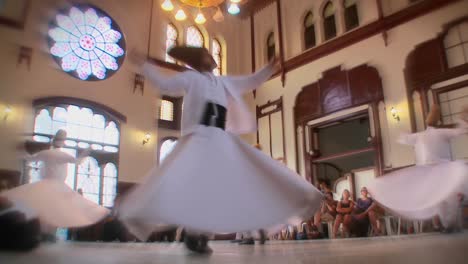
<point>171,40</point>
<point>216,53</point>
<point>88,179</point>
<point>86,42</point>
<point>194,37</point>
<point>43,123</point>
<point>109,185</point>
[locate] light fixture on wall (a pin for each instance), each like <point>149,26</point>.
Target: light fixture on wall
<point>394,113</point>
<point>146,139</point>
<point>139,83</point>
<point>6,112</point>
<point>218,16</point>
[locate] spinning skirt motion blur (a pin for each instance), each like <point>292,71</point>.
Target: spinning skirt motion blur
<point>421,192</point>
<point>56,204</point>
<point>214,182</point>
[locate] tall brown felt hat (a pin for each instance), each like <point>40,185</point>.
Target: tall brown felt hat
<point>191,55</point>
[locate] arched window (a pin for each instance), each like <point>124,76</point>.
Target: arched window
<point>87,127</point>
<point>216,53</point>
<point>109,186</point>
<point>309,31</point>
<point>171,40</point>
<point>88,180</point>
<point>86,42</point>
<point>329,24</point>
<point>456,45</point>
<point>271,46</point>
<point>351,14</point>
<point>195,37</point>
<point>166,147</point>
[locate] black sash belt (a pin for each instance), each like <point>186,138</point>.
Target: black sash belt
<point>214,115</point>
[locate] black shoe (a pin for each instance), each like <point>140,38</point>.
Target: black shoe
<point>17,233</point>
<point>262,236</point>
<point>236,241</point>
<point>48,238</point>
<point>448,230</point>
<point>247,241</point>
<point>197,244</point>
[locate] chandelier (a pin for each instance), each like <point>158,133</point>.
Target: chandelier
<point>218,16</point>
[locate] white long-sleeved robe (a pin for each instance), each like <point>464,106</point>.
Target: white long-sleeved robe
<point>431,187</point>
<point>51,199</point>
<point>213,181</point>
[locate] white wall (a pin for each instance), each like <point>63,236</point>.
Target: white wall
<point>389,61</point>
<point>19,87</point>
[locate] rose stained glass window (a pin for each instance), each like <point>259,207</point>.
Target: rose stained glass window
<point>86,42</point>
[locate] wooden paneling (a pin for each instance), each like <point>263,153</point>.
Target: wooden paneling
<point>420,67</point>
<point>308,102</point>
<point>334,90</point>
<point>366,85</point>
<point>337,90</point>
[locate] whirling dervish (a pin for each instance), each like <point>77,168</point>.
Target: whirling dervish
<point>434,186</point>
<point>50,199</point>
<point>214,182</point>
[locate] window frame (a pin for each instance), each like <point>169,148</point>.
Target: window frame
<point>176,42</point>
<point>220,54</point>
<point>306,32</point>
<point>177,114</point>
<point>199,32</point>
<point>102,157</point>
<point>351,12</point>
<point>270,50</point>
<point>114,26</point>
<point>329,23</point>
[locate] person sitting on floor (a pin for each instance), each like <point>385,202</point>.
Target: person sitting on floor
<point>344,207</point>
<point>357,223</point>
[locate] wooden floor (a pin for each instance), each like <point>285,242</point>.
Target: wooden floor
<point>414,249</point>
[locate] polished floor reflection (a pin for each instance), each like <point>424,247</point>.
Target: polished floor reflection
<point>424,248</point>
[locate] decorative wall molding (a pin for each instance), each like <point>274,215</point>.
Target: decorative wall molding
<point>381,25</point>
<point>337,90</point>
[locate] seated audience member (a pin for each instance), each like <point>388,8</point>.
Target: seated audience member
<point>327,211</point>
<point>17,233</point>
<point>344,207</point>
<point>324,187</point>
<point>357,223</point>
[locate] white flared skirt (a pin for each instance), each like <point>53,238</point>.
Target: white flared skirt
<point>214,182</point>
<point>56,204</point>
<point>421,192</point>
